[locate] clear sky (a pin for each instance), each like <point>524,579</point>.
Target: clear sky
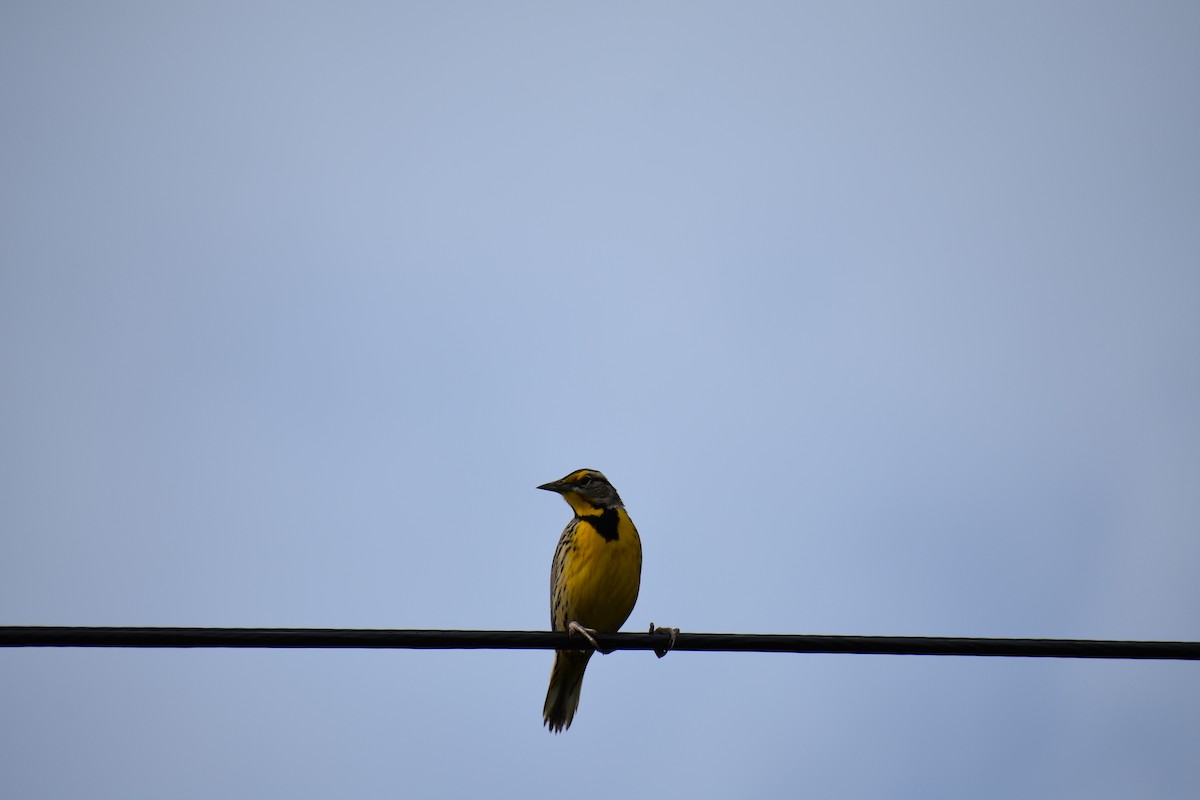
<point>884,318</point>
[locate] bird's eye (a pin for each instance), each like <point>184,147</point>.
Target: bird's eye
<point>588,481</point>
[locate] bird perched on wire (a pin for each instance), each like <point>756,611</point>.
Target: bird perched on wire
<point>594,581</point>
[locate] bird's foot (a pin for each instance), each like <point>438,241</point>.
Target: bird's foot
<point>574,627</point>
<point>671,632</point>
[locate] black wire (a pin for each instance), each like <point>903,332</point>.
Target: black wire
<point>29,636</point>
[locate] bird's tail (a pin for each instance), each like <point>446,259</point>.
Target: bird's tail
<point>566,682</point>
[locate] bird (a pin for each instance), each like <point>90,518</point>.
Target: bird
<point>594,582</point>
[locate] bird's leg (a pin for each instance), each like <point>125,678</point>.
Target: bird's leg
<point>574,627</point>
<point>672,632</point>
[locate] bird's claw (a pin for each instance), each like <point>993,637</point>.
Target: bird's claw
<point>574,627</point>
<point>673,633</point>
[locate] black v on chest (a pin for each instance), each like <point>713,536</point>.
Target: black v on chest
<point>606,523</point>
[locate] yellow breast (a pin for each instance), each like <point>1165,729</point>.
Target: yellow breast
<point>597,572</point>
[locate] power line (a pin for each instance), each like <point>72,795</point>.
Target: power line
<point>37,636</point>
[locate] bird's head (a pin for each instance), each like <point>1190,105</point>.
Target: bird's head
<point>586,490</point>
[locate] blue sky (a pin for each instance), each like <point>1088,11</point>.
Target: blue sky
<point>882,318</point>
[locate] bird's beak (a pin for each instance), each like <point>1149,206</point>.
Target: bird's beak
<point>554,486</point>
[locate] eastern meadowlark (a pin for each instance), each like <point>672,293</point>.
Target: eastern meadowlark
<point>594,581</point>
